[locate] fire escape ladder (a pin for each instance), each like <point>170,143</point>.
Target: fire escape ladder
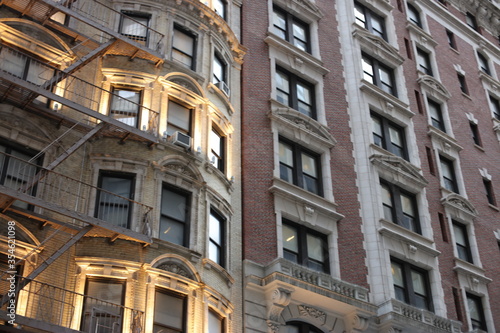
<point>45,263</point>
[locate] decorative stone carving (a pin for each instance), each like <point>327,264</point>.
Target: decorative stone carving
<point>176,269</point>
<point>280,299</point>
<point>434,87</point>
<point>186,84</point>
<point>309,311</point>
<point>273,327</point>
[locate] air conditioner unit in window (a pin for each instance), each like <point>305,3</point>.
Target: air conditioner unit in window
<point>224,87</point>
<point>181,139</point>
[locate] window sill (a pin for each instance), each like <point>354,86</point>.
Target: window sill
<point>479,147</point>
<point>447,142</point>
<point>221,271</point>
<point>421,35</point>
<point>468,269</point>
<point>393,102</point>
<point>494,207</point>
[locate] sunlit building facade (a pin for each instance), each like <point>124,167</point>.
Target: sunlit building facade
<point>120,186</point>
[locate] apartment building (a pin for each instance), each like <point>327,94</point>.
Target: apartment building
<point>371,161</point>
<point>120,186</point>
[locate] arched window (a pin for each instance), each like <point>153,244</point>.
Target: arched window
<point>300,327</point>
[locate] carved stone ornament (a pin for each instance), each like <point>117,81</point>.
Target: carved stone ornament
<point>176,269</point>
<point>309,311</point>
<point>401,167</point>
<point>435,88</point>
<point>185,84</point>
<point>273,327</point>
<point>280,299</point>
<point>180,169</point>
<point>460,204</point>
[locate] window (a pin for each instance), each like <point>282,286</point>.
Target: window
<point>475,133</point>
<point>135,26</point>
<point>462,241</point>
<point>411,284</point>
<point>424,62</point>
<point>400,206</point>
<point>25,67</point>
<point>183,47</point>
<point>389,136</point>
<point>291,29</point>
<point>300,166</point>
<point>414,15</point>
<point>483,63</point>
<point>436,115</point>
<point>220,7</point>
<point>174,217</point>
<point>471,21</point>
<point>369,20</point>
<point>451,39</point>
<point>102,309</point>
<point>170,312</point>
<point>300,327</point>
<point>15,172</point>
<point>495,103</point>
<point>448,174</point>
<point>217,149</point>
<point>219,69</point>
<point>113,198</point>
<point>215,322</point>
<point>490,195</point>
<point>305,247</point>
<point>476,312</point>
<point>178,118</point>
<point>216,232</point>
<point>295,92</point>
<point>462,83</point>
<point>378,74</point>
<point>125,106</point>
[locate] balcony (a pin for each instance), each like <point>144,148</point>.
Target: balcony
<point>54,309</point>
<point>30,190</point>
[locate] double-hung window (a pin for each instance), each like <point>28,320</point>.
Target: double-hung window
<point>300,166</point>
<point>305,246</point>
<point>400,206</point>
<point>15,171</point>
<point>411,284</point>
<point>436,115</point>
<point>102,306</point>
<point>379,74</point>
<point>369,20</point>
<point>291,29</point>
<point>463,83</point>
<point>424,62</point>
<point>215,322</point>
<point>217,149</point>
<point>483,63</point>
<point>170,312</point>
<point>471,21</point>
<point>114,196</point>
<point>184,47</point>
<point>125,106</point>
<point>295,92</point>
<point>23,66</point>
<point>414,15</point>
<point>178,118</point>
<point>219,70</point>
<point>476,312</point>
<point>135,26</point>
<point>495,104</point>
<point>174,216</point>
<point>220,7</point>
<point>490,195</point>
<point>216,238</point>
<point>389,136</point>
<point>448,174</point>
<point>462,241</point>
<point>451,39</point>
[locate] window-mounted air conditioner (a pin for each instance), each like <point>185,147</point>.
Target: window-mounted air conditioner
<point>224,87</point>
<point>181,139</point>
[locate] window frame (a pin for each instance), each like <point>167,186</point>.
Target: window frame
<point>218,317</point>
<point>220,4</point>
<point>190,121</point>
<point>452,42</point>
<point>495,102</point>
<point>396,207</point>
<point>296,169</point>
<point>424,62</point>
<point>449,182</point>
<point>463,83</point>
<point>484,65</point>
<point>475,133</point>
<point>386,142</point>
<point>218,160</point>
<point>287,33</point>
<point>479,323</point>
<point>490,194</point>
<point>292,94</point>
<point>116,95</point>
<point>184,299</point>
<point>377,66</point>
<point>414,15</point>
<point>220,245</point>
<point>437,117</point>
<point>471,21</point>
<point>186,224</point>
<point>464,250</point>
<point>369,17</point>
<point>193,37</point>
<point>408,287</point>
<point>223,65</point>
<point>135,17</point>
<point>302,256</point>
<point>117,175</point>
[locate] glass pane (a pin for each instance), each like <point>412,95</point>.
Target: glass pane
<point>174,205</point>
<point>220,8</point>
<point>215,229</point>
<point>315,248</point>
<point>215,144</point>
<point>183,42</point>
<point>169,310</point>
<point>418,282</point>
<point>286,173</point>
<point>377,127</point>
<point>407,205</point>
<point>135,26</point>
<point>310,184</point>
<point>179,117</point>
<point>474,309</point>
<point>397,275</point>
<point>360,16</point>
<point>291,329</point>
<point>309,165</point>
<point>395,135</point>
<point>290,238</point>
<point>218,70</point>
<point>378,27</point>
<point>286,154</point>
<point>446,169</point>
<point>214,252</point>
<point>367,71</point>
<point>282,82</point>
<point>171,231</point>
<point>214,323</point>
<point>12,63</point>
<point>279,24</point>
<point>459,235</point>
<point>386,196</point>
<point>116,185</point>
<point>106,291</point>
<point>385,76</point>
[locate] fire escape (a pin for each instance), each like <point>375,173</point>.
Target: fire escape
<point>51,197</point>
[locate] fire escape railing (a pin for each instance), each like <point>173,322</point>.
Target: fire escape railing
<point>57,306</point>
<point>72,201</point>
